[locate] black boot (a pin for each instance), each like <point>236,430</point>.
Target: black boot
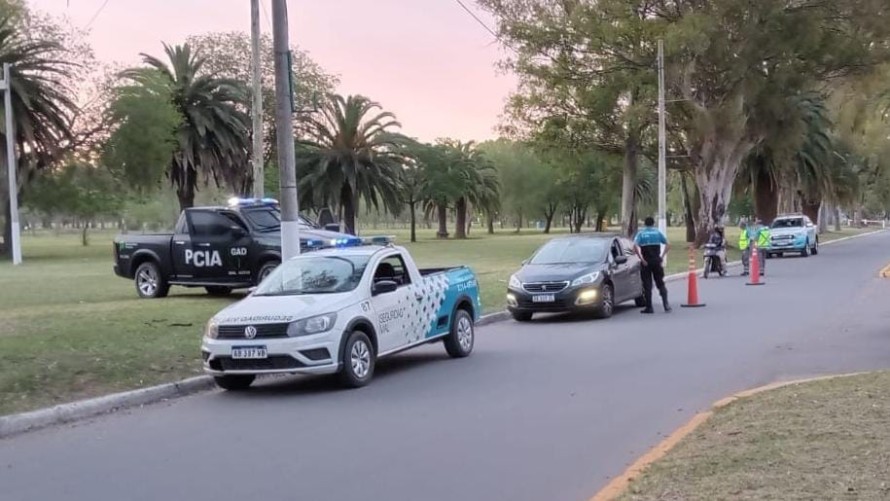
<point>664,301</point>
<point>647,310</point>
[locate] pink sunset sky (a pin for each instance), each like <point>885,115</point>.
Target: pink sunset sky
<point>427,61</point>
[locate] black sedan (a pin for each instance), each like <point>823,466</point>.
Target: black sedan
<point>580,273</point>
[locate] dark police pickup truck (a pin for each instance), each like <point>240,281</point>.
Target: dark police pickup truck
<point>218,248</point>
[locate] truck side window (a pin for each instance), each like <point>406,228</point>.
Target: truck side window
<point>182,227</point>
<point>392,268</point>
<point>210,224</point>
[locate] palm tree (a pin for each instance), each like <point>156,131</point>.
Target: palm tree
<point>214,135</point>
<point>351,155</point>
<point>42,108</point>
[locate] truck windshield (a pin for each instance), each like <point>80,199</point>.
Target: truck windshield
<point>788,223</point>
<point>314,275</point>
<point>270,219</point>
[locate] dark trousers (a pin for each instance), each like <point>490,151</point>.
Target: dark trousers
<point>653,271</point>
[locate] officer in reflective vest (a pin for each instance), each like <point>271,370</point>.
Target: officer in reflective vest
<point>744,247</point>
<point>762,245</point>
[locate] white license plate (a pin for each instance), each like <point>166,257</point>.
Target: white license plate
<point>249,352</point>
<point>544,298</point>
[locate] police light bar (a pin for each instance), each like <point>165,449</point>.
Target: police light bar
<point>252,202</point>
<point>340,243</point>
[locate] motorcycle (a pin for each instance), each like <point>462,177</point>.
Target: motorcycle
<point>713,263</point>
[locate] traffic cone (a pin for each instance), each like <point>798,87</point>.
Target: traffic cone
<point>755,267</point>
<point>692,283</point>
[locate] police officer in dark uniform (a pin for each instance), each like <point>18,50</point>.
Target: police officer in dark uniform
<point>648,242</point>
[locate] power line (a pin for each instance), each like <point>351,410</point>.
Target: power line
<point>480,21</point>
<point>96,15</point>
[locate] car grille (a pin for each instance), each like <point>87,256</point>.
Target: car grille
<point>545,286</point>
<point>783,237</point>
<point>263,331</point>
<point>274,362</point>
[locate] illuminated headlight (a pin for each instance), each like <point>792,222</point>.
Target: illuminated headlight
<point>211,331</point>
<point>511,300</point>
<point>312,325</point>
<point>515,283</point>
<point>586,279</point>
<point>587,297</point>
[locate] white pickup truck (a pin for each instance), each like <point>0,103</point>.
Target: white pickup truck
<point>337,311</point>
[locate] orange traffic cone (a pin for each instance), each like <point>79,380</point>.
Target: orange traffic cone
<point>755,267</point>
<point>692,296</point>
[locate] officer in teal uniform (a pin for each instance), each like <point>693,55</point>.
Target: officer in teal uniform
<point>648,242</point>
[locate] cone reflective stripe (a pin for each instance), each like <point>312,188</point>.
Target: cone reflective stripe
<point>692,283</point>
<point>754,266</point>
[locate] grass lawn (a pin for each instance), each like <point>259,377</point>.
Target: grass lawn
<point>819,440</point>
<point>71,329</point>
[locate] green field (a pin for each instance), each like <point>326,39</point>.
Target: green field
<point>71,329</point>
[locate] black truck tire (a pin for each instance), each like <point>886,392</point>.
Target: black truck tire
<point>150,283</point>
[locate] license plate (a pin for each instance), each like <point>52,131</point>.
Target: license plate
<point>249,352</point>
<point>544,298</point>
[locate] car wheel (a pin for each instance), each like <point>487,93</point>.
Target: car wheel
<point>607,306</point>
<point>216,290</point>
<point>815,247</point>
<point>640,302</point>
<point>707,267</point>
<point>460,342</point>
<point>806,250</point>
<point>780,254</point>
<point>149,281</point>
<point>235,382</point>
<point>265,270</point>
<point>521,316</point>
<point>358,360</point>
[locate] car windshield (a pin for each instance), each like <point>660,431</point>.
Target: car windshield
<point>788,223</point>
<point>269,219</point>
<point>314,275</point>
<point>575,250</point>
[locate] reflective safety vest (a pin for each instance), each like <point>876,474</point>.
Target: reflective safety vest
<point>743,240</point>
<point>763,241</point>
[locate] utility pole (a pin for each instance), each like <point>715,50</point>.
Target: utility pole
<point>290,228</point>
<point>15,242</point>
<point>259,189</point>
<point>662,164</point>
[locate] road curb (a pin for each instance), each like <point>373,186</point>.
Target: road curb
<point>618,485</point>
<point>15,424</point>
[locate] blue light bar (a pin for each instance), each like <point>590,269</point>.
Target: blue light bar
<point>378,240</point>
<point>252,202</point>
<point>342,243</point>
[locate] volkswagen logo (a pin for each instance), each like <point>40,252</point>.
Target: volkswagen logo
<point>250,332</point>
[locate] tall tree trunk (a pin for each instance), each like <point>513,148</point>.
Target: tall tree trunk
<point>6,248</point>
<point>766,196</point>
<point>519,221</point>
<point>810,208</point>
<point>824,217</point>
<point>628,185</point>
<point>549,212</point>
<point>85,237</point>
<point>688,213</point>
<point>600,220</point>
<point>349,207</point>
<point>442,211</point>
<point>714,180</point>
<point>837,218</point>
<point>412,207</point>
<point>490,221</point>
<point>460,220</point>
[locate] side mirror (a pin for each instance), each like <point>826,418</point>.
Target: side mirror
<point>620,259</point>
<point>384,287</point>
<point>238,232</point>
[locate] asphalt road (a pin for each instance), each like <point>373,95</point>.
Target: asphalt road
<point>544,411</point>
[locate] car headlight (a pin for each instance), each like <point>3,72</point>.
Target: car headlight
<point>514,282</point>
<point>312,325</point>
<point>211,331</point>
<point>586,279</point>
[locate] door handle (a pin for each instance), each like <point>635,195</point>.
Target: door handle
<point>179,243</point>
<point>204,245</point>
